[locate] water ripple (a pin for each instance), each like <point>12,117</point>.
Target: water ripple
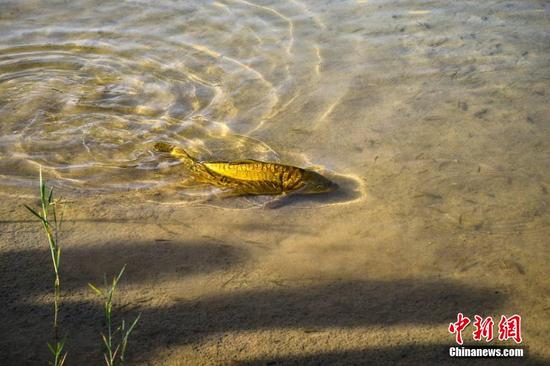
<point>86,100</point>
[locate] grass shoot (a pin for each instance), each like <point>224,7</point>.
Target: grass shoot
<point>114,350</point>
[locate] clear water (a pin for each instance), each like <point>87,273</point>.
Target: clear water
<point>434,117</point>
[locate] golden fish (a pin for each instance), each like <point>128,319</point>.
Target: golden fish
<point>251,177</point>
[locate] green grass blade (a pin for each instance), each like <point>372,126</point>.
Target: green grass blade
<point>133,325</point>
<point>107,345</point>
<point>54,213</point>
<point>121,273</point>
<point>58,257</point>
<point>35,213</point>
<point>126,334</point>
<point>97,291</point>
<point>42,186</point>
<point>62,361</point>
<point>116,351</point>
<point>50,196</point>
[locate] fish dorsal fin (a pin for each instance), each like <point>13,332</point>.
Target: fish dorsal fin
<point>233,162</point>
<point>250,170</point>
<point>245,161</point>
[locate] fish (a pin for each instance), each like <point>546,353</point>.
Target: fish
<point>251,177</point>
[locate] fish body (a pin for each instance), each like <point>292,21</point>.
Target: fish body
<point>251,177</point>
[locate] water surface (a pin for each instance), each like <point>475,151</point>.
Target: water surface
<point>432,116</point>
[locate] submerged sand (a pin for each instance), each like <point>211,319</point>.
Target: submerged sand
<point>258,287</point>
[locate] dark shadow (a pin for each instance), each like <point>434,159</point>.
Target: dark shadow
<point>27,280</point>
<point>349,189</point>
<point>437,354</point>
<point>28,272</point>
<point>340,304</point>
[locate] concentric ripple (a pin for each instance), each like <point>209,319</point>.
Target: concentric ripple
<point>86,98</point>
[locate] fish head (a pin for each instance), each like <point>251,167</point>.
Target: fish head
<point>316,183</point>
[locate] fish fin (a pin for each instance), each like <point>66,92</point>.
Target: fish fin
<point>240,161</point>
<point>278,202</point>
<point>194,182</point>
<point>223,194</point>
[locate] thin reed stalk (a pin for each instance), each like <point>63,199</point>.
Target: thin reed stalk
<point>52,228</point>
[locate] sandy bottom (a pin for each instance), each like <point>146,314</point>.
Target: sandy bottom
<point>262,286</point>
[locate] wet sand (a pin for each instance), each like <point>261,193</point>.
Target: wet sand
<point>276,291</point>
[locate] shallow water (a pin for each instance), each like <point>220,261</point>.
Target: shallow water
<point>86,89</point>
<point>432,116</point>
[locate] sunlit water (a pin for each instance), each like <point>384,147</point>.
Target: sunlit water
<point>86,89</point>
<point>432,116</point>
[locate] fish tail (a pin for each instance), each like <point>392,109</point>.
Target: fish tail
<point>175,151</point>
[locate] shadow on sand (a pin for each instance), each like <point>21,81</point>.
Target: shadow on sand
<point>27,272</point>
<point>25,292</point>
